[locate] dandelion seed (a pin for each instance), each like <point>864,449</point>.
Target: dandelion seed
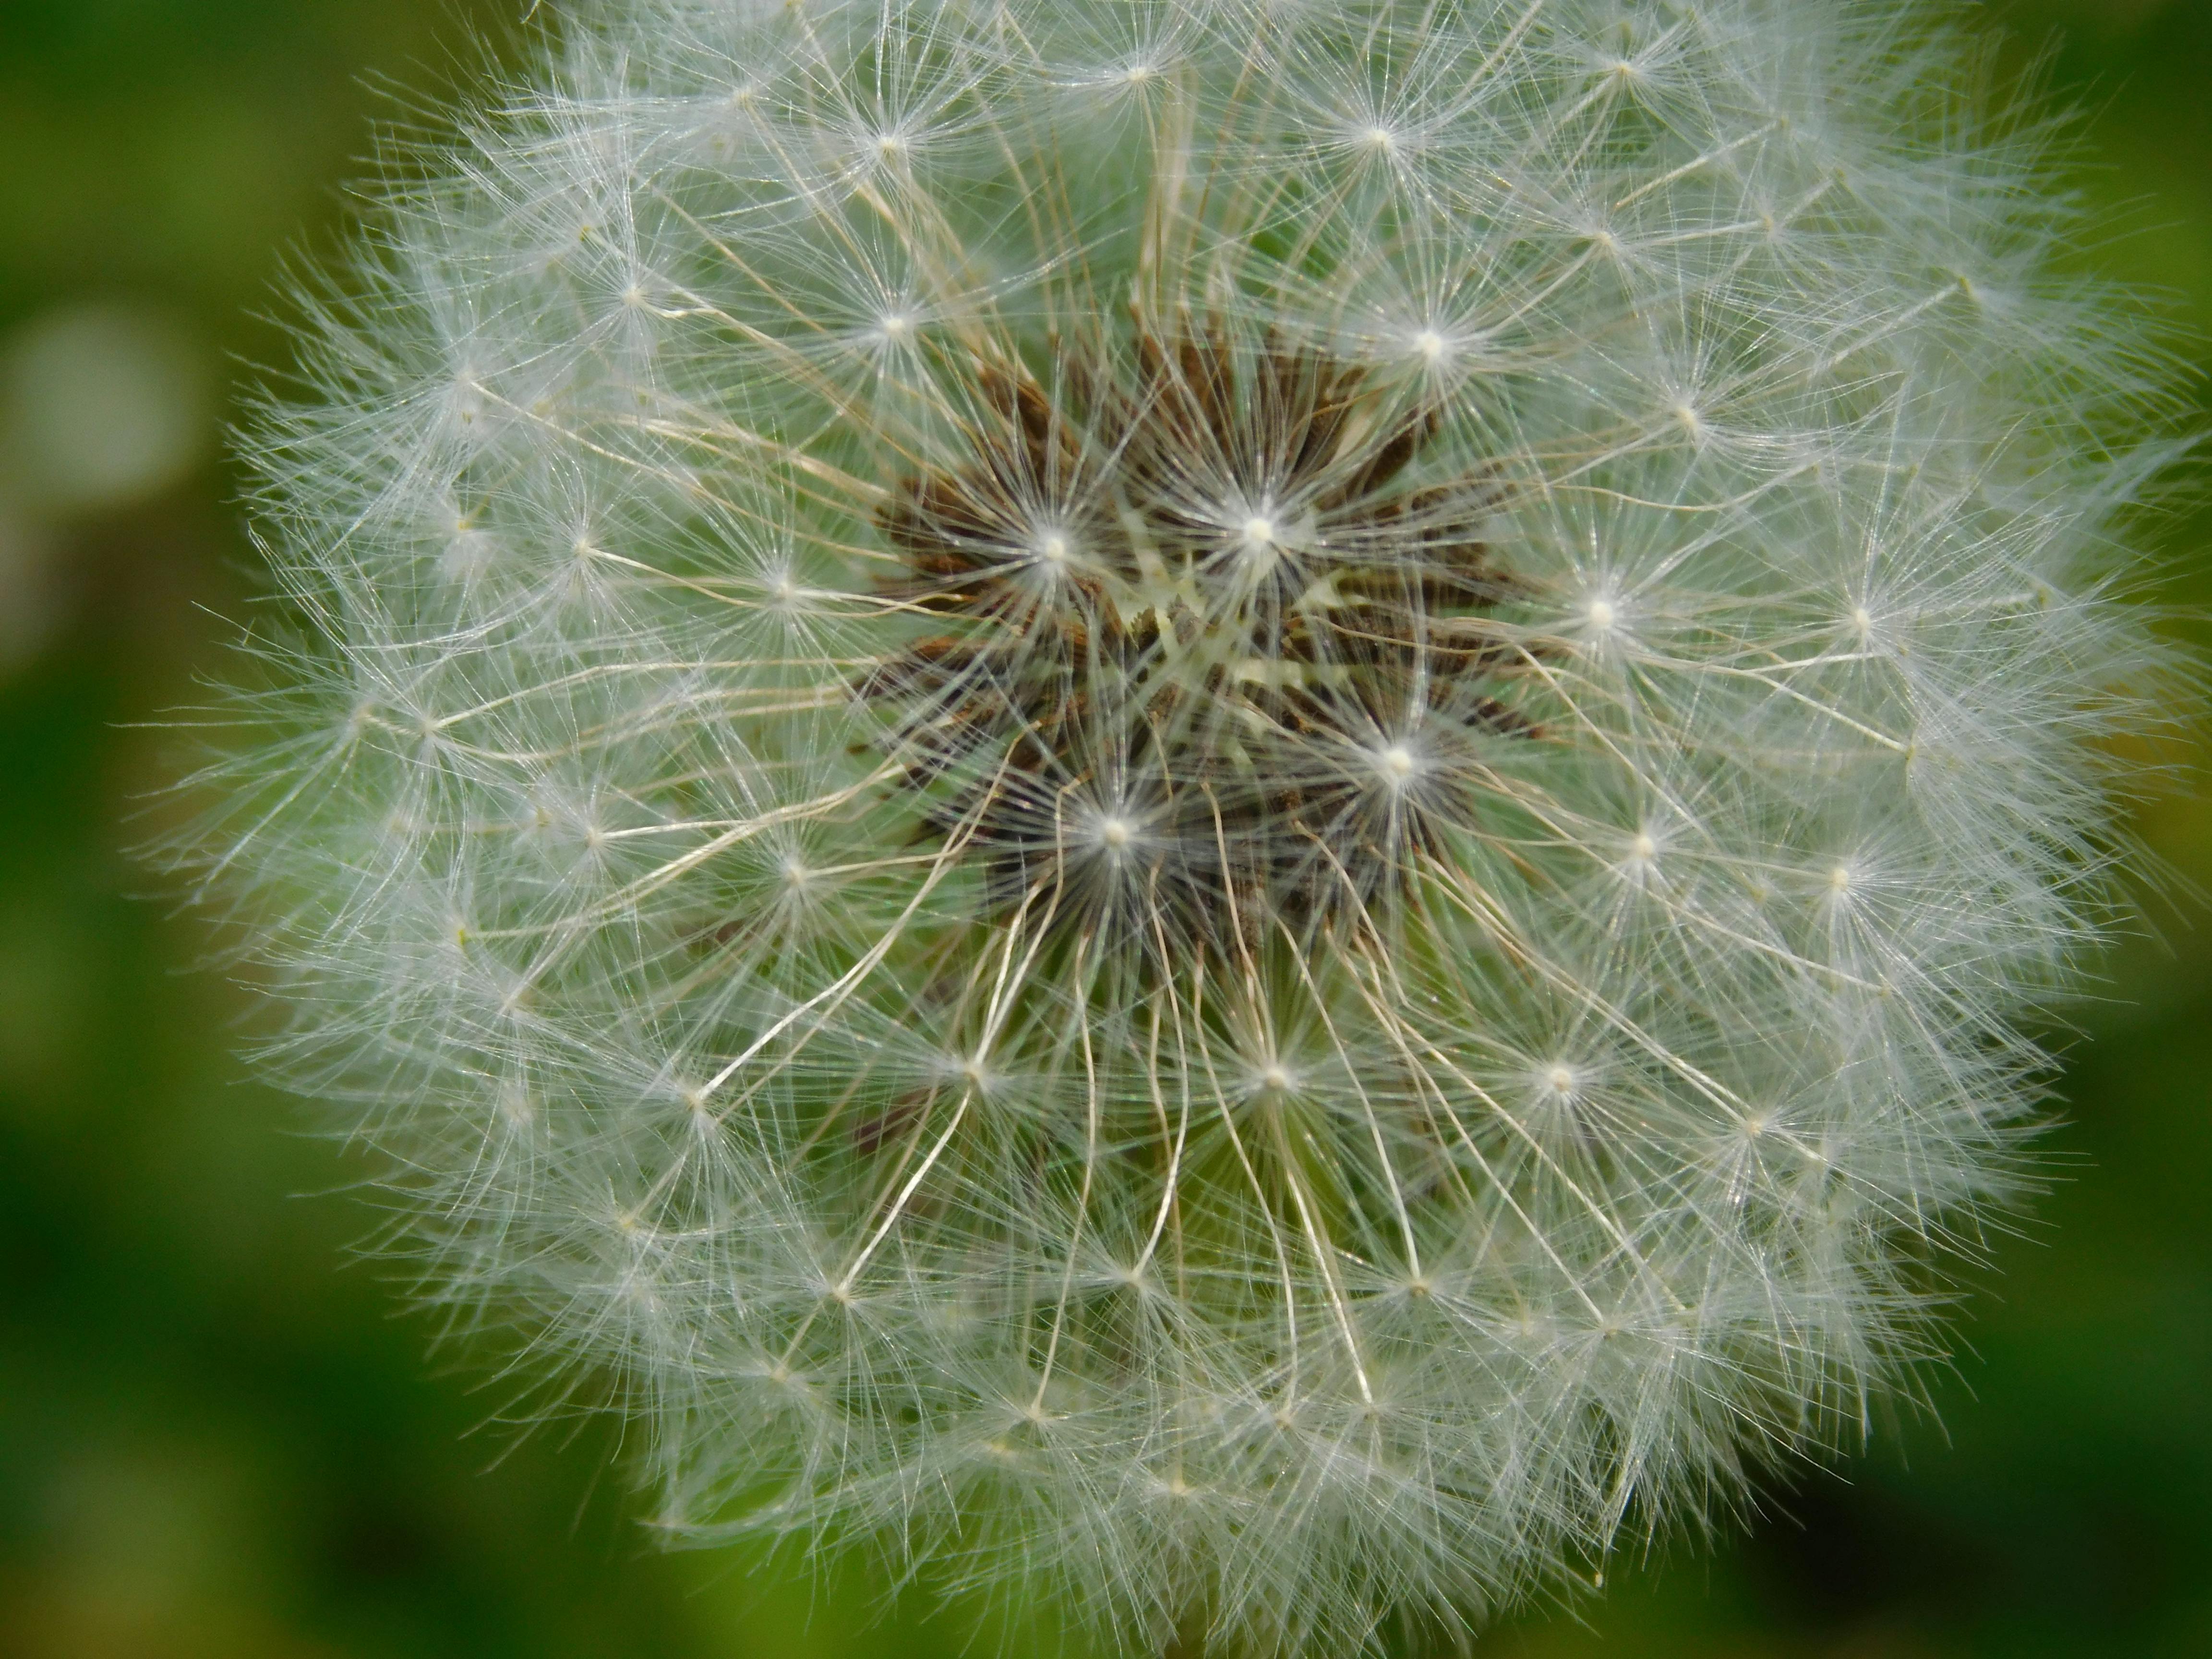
<point>961,797</point>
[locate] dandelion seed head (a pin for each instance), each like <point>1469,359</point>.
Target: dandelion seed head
<point>1250,811</point>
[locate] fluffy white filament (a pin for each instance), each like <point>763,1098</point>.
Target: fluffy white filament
<point>1268,1006</point>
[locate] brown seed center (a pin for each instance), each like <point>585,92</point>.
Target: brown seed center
<point>1213,656</point>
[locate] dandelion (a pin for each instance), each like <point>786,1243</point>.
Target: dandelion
<point>1248,809</point>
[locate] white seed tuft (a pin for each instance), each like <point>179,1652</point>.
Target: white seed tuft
<point>977,679</point>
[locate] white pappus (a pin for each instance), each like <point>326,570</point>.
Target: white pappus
<point>1252,807</point>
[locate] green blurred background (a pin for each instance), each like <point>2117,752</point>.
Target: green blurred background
<point>219,1437</point>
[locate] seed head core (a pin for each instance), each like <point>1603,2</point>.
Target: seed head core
<point>1233,697</point>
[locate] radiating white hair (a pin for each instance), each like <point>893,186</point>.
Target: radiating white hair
<point>1246,806</point>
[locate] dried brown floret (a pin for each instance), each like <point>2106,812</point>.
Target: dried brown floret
<point>1156,698</point>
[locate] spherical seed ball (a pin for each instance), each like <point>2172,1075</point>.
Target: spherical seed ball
<point>1244,808</point>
